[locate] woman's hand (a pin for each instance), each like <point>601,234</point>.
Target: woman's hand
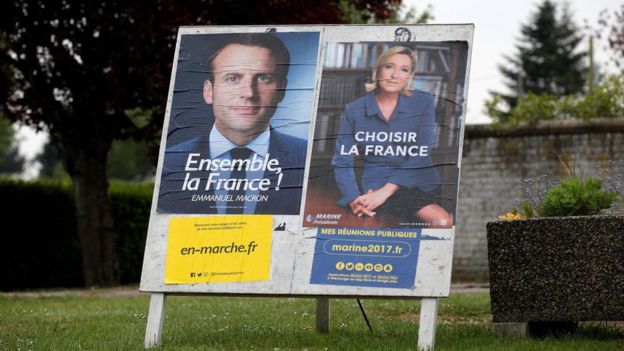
<point>367,203</point>
<point>373,199</point>
<point>359,209</point>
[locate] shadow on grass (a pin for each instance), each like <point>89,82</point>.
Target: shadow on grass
<point>599,331</point>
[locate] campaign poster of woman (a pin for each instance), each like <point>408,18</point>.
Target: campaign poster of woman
<point>387,135</point>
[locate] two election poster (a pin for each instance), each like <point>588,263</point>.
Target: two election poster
<point>310,160</point>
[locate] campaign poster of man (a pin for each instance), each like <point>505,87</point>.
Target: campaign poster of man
<point>387,135</point>
<point>238,123</point>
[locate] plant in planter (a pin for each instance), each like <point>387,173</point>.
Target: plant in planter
<point>560,263</point>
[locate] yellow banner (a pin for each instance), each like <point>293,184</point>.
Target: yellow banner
<point>218,249</point>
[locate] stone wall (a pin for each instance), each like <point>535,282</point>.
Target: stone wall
<point>495,163</point>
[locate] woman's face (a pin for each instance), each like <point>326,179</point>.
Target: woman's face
<point>394,74</point>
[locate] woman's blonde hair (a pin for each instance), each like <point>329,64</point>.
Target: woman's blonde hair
<point>381,60</point>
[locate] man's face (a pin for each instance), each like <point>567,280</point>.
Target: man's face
<point>245,91</point>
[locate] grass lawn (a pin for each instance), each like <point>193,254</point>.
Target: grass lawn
<point>93,321</point>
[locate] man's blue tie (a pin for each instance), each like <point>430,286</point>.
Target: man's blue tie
<point>235,206</point>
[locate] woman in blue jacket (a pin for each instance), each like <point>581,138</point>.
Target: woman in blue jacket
<point>392,130</point>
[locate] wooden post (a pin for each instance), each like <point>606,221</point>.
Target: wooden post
<point>155,320</point>
<point>322,314</point>
<point>427,328</point>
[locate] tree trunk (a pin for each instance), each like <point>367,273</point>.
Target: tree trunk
<point>95,222</point>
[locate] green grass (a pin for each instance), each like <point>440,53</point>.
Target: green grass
<point>93,322</point>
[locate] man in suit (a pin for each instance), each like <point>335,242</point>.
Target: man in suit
<point>243,166</point>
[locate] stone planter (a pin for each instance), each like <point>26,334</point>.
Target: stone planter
<point>556,270</point>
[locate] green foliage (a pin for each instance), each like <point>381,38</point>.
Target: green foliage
<point>6,136</point>
<point>533,108</point>
<point>577,197</point>
<point>131,189</point>
<point>130,160</point>
<point>353,12</point>
<point>495,108</point>
<point>572,196</point>
<point>140,117</point>
<point>411,15</point>
<point>40,246</point>
<point>130,207</point>
<point>528,211</point>
<point>605,100</point>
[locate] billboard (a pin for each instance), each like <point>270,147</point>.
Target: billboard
<point>310,160</point>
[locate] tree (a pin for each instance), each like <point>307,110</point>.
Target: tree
<point>395,12</point>
<point>81,69</point>
<point>10,160</point>
<point>127,160</point>
<point>547,59</point>
<point>615,36</point>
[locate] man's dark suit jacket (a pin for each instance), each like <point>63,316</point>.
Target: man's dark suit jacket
<point>288,150</point>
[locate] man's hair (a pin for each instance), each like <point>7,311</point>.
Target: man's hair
<point>264,40</point>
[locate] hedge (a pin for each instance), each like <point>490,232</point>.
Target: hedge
<point>40,246</point>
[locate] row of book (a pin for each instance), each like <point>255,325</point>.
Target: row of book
<point>364,55</point>
<point>338,91</point>
<point>351,55</point>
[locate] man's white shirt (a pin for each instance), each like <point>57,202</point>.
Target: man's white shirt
<point>220,148</point>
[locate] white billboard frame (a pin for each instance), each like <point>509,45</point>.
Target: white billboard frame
<point>292,251</point>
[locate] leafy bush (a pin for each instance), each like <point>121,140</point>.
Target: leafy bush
<point>130,207</point>
<point>577,197</point>
<point>572,196</point>
<point>534,108</point>
<point>40,246</point>
<point>605,100</point>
